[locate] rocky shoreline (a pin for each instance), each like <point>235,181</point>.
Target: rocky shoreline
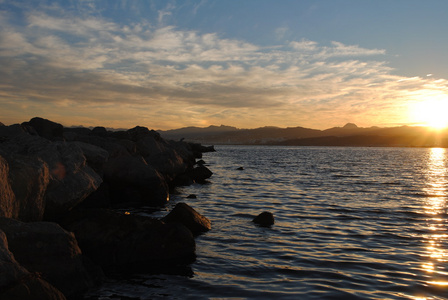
<point>59,232</point>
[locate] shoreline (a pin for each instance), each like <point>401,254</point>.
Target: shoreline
<point>59,187</point>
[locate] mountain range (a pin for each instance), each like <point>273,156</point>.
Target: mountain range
<point>348,135</point>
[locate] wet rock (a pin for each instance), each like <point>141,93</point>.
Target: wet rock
<point>240,168</point>
<point>49,250</point>
<point>130,242</point>
<point>186,215</point>
<point>264,219</point>
<point>192,196</point>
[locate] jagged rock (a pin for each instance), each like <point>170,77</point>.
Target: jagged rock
<point>264,219</point>
<point>16,283</point>
<point>126,241</point>
<point>131,179</point>
<point>186,215</point>
<point>46,128</point>
<point>48,249</point>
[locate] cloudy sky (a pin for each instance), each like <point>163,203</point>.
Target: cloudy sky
<point>169,64</point>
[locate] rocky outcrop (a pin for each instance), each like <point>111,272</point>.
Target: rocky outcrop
<point>73,177</point>
<point>123,241</point>
<point>48,249</point>
<point>17,283</point>
<point>186,215</point>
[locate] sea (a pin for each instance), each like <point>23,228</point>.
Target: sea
<point>350,223</point>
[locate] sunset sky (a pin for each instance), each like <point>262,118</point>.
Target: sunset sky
<point>252,63</point>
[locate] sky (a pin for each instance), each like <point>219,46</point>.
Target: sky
<point>246,63</point>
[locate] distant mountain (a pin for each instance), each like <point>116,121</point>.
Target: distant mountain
<point>348,135</point>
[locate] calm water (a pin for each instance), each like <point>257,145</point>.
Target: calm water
<point>351,223</point>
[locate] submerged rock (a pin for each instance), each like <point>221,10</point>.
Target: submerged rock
<point>264,219</point>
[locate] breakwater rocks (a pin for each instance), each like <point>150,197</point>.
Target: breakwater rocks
<point>59,234</point>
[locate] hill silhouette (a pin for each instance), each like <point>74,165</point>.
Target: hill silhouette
<point>347,135</point>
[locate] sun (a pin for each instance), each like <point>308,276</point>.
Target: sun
<point>431,112</point>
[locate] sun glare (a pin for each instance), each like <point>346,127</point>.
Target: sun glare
<point>432,113</point>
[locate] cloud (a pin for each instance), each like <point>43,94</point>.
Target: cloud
<point>168,76</point>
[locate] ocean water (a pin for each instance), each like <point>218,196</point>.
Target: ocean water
<point>351,223</point>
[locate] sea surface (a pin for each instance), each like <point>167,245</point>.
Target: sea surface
<point>350,223</point>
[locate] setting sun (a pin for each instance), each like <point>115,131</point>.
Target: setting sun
<point>432,113</point>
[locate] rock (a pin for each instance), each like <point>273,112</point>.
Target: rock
<point>192,196</point>
<point>99,131</point>
<point>240,168</point>
<point>46,128</point>
<point>131,179</point>
<point>71,179</point>
<point>95,156</point>
<point>32,288</point>
<point>123,241</point>
<point>8,204</point>
<point>29,176</point>
<point>264,219</point>
<point>186,215</point>
<point>200,174</point>
<point>48,249</point>
<point>16,283</point>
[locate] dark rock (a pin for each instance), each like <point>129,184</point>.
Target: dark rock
<point>264,219</point>
<point>16,283</point>
<point>29,176</point>
<point>46,128</point>
<point>1,124</point>
<point>200,174</point>
<point>186,215</point>
<point>99,131</point>
<point>130,242</point>
<point>95,156</point>
<point>71,179</point>
<point>32,288</point>
<point>131,179</point>
<point>48,249</point>
<point>192,196</point>
<point>240,168</point>
<point>200,162</point>
<point>8,204</point>
<point>140,132</point>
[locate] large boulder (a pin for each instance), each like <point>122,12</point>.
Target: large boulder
<point>16,283</point>
<point>131,179</point>
<point>46,128</point>
<point>48,249</point>
<point>29,176</point>
<point>123,241</point>
<point>186,215</point>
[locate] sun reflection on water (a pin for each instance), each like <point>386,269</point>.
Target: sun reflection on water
<point>436,185</point>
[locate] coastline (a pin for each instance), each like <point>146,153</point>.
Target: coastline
<point>59,232</point>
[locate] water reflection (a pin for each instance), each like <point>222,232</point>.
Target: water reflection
<point>436,194</point>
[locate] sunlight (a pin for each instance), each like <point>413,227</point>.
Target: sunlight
<point>431,112</point>
<point>436,197</point>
